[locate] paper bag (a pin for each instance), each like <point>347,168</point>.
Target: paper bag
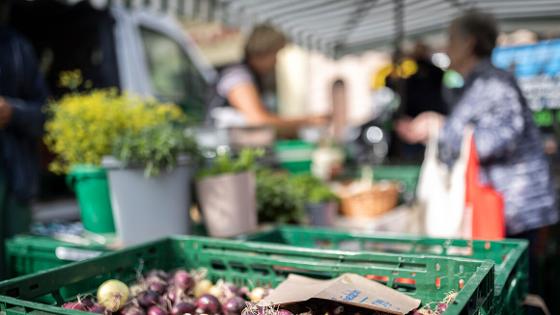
<point>348,289</point>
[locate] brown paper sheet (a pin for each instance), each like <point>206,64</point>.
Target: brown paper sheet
<point>349,289</point>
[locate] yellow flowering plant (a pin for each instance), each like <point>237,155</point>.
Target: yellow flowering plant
<point>84,127</point>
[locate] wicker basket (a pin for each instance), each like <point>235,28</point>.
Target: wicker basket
<point>376,200</point>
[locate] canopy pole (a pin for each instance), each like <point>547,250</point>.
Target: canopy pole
<point>400,84</point>
<point>399,24</point>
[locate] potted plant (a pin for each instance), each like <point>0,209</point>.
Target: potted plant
<point>319,201</point>
<point>80,131</point>
<point>143,135</point>
<point>277,199</point>
<point>227,194</point>
<point>149,178</point>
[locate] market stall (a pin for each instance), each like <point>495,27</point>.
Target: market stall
<point>303,224</point>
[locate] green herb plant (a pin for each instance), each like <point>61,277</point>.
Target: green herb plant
<point>278,200</point>
<point>226,163</point>
<point>312,190</point>
<point>155,147</point>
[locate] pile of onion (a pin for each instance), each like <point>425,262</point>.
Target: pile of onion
<point>160,293</point>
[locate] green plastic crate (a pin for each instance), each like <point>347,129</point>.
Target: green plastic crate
<point>510,256</point>
<point>29,254</point>
<point>254,264</point>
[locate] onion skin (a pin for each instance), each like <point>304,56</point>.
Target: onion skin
<point>156,310</point>
<point>74,306</point>
<point>183,280</point>
<point>147,299</point>
<point>182,308</point>
<point>233,290</point>
<point>234,306</point>
<point>217,291</point>
<point>441,308</point>
<point>157,287</point>
<point>173,294</point>
<point>258,294</point>
<point>208,304</point>
<point>164,276</point>
<point>202,287</point>
<point>113,295</point>
<point>133,310</point>
<point>96,308</point>
<point>86,302</point>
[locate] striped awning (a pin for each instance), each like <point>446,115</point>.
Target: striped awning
<point>339,27</point>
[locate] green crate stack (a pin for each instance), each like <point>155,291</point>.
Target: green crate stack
<point>510,256</point>
<point>28,254</point>
<point>429,279</point>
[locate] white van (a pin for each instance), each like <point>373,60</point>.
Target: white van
<point>136,50</point>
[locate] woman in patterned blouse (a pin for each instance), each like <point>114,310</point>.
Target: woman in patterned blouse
<point>508,142</point>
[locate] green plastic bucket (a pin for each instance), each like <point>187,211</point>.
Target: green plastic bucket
<point>92,191</point>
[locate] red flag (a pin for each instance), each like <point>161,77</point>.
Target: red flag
<point>488,219</point>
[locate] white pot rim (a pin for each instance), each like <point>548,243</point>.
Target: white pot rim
<point>110,162</point>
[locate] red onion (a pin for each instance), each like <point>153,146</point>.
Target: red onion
<point>208,304</point>
<point>133,310</point>
<point>172,294</point>
<point>441,307</point>
<point>96,308</point>
<point>183,280</point>
<point>86,302</point>
<point>182,308</point>
<point>234,306</point>
<point>74,306</point>
<point>284,312</point>
<point>147,299</point>
<point>233,290</point>
<point>336,310</point>
<point>157,287</point>
<point>156,310</point>
<point>164,276</point>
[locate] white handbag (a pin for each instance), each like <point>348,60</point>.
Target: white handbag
<point>441,192</point>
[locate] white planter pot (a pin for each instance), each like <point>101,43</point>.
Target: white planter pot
<point>146,209</point>
<point>228,204</point>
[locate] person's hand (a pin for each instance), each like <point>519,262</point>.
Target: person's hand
<point>421,126</point>
<point>319,120</point>
<point>5,112</point>
<point>403,128</point>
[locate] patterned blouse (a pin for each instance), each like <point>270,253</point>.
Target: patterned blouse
<point>509,146</point>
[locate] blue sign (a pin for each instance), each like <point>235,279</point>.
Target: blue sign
<point>537,68</point>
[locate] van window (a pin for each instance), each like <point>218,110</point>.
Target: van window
<point>173,75</point>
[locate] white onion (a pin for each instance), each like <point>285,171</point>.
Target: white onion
<point>112,294</point>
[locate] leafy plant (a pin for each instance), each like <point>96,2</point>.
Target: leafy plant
<point>277,200</point>
<point>83,127</point>
<point>281,197</point>
<point>225,163</point>
<point>155,147</point>
<point>312,189</point>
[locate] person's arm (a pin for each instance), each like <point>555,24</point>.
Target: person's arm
<point>496,134</point>
<point>245,97</point>
<point>26,115</point>
<point>495,131</point>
